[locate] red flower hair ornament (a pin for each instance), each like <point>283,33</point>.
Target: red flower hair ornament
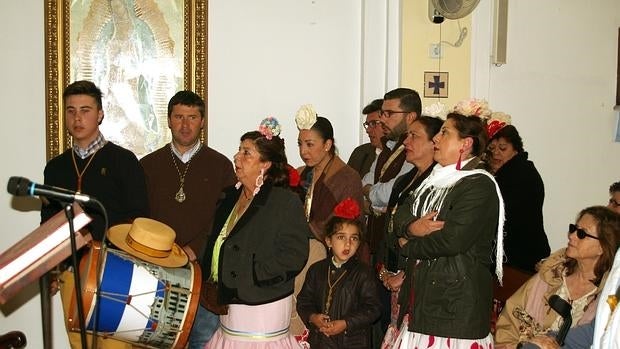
<point>493,127</point>
<point>347,208</point>
<point>293,176</point>
<point>496,122</point>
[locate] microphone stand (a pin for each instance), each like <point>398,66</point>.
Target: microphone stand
<point>76,272</point>
<point>46,309</point>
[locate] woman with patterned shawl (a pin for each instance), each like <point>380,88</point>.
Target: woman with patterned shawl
<point>326,180</point>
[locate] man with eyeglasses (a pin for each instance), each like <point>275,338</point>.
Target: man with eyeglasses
<point>364,155</point>
<point>184,180</point>
<point>614,197</point>
<point>400,108</point>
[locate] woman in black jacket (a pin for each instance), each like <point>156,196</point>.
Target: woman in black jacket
<point>457,220</point>
<point>524,193</point>
<point>258,245</point>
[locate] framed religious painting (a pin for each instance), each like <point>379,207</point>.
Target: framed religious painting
<point>138,52</point>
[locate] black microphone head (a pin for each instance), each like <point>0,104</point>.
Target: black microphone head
<point>18,186</point>
<point>562,307</point>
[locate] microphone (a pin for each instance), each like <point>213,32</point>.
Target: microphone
<point>563,308</point>
<point>20,186</point>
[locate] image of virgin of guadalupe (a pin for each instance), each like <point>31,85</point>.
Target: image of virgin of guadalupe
<point>133,50</point>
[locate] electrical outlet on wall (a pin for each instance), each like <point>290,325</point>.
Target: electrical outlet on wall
<point>434,51</point>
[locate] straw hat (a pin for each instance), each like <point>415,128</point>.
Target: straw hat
<point>149,240</point>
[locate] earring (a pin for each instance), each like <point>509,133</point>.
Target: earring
<point>458,162</point>
<point>260,180</point>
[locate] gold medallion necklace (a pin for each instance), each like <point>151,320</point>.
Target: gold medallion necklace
<point>330,290</point>
<point>79,173</point>
<point>180,195</point>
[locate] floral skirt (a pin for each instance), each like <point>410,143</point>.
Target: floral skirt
<point>417,340</point>
<point>264,326</point>
<point>394,335</point>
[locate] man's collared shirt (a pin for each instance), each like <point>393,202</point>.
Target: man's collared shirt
<point>92,148</point>
<point>187,156</point>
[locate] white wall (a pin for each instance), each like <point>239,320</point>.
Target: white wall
<point>22,137</point>
<point>559,87</point>
<point>266,58</point>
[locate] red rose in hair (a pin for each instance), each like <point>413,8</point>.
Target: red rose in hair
<point>347,208</point>
<point>293,177</point>
<point>493,127</point>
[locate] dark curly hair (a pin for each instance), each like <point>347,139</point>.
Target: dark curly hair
<point>188,98</point>
<point>335,223</point>
<point>511,135</point>
<point>271,150</point>
<point>409,99</point>
<point>325,129</point>
<point>473,127</point>
<point>84,87</point>
<point>373,107</point>
<point>431,124</point>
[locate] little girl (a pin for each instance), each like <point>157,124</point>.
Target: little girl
<point>339,301</point>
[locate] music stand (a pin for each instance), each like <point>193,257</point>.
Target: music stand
<point>39,252</point>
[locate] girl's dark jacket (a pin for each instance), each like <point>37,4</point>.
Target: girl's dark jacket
<point>354,299</point>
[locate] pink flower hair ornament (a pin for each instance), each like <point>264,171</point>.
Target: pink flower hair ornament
<point>269,127</point>
<point>473,107</point>
<point>347,208</point>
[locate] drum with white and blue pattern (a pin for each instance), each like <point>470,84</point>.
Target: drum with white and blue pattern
<point>139,302</point>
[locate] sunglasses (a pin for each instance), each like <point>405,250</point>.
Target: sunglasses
<point>581,234</point>
<point>614,203</point>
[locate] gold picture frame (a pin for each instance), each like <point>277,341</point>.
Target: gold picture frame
<point>84,41</point>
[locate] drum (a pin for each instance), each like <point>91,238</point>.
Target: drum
<point>139,302</point>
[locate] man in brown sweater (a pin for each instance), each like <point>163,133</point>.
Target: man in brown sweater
<point>184,180</point>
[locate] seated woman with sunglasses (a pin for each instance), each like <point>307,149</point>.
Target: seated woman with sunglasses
<point>576,273</point>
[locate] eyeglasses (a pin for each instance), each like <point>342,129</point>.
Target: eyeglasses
<point>389,113</point>
<point>372,123</point>
<point>581,234</point>
<point>613,202</point>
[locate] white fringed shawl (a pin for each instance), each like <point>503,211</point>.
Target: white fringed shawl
<point>439,183</point>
